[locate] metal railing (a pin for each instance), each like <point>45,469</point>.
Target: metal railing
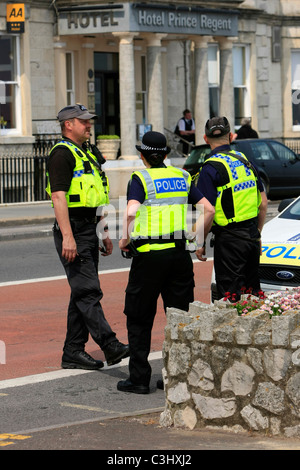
<point>175,143</point>
<point>22,179</point>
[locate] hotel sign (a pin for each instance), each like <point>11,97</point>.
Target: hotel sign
<point>130,17</point>
<point>15,17</point>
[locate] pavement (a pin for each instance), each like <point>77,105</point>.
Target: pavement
<point>44,407</point>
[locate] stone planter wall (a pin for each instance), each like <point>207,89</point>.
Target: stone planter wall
<point>241,373</point>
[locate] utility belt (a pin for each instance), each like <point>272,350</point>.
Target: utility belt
<point>87,220</point>
<point>234,227</point>
<point>178,236</point>
<point>143,245</point>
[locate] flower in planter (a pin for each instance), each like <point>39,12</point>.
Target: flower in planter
<point>275,304</point>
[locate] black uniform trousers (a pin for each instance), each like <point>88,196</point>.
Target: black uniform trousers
<point>85,313</point>
<point>168,272</point>
<point>236,258</point>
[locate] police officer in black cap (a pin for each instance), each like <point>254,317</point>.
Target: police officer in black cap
<point>78,186</point>
<point>231,183</point>
<point>155,222</point>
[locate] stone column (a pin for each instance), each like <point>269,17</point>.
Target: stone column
<point>25,80</point>
<point>127,95</point>
<point>201,111</point>
<point>154,75</point>
<point>226,80</point>
<point>60,75</point>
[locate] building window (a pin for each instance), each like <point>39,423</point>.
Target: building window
<point>10,112</point>
<point>213,79</point>
<point>296,89</point>
<point>241,83</point>
<point>70,78</point>
<point>144,88</point>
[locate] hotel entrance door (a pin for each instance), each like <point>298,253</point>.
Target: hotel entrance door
<point>107,103</point>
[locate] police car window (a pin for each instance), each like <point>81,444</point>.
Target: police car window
<point>284,153</point>
<point>198,155</point>
<point>261,151</point>
<point>292,212</point>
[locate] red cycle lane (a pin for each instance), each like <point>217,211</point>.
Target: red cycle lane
<point>33,320</point>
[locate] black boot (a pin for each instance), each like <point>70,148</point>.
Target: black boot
<point>115,352</point>
<point>128,386</point>
<point>80,360</point>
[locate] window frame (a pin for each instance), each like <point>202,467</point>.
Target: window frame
<point>246,85</point>
<point>17,84</point>
<point>214,86</point>
<point>70,92</point>
<point>295,127</point>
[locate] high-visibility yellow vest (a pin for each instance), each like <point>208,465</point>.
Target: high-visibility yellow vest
<point>239,198</point>
<point>162,216</point>
<point>89,187</point>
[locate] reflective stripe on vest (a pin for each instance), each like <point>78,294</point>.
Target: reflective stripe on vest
<point>241,190</point>
<point>88,188</point>
<point>165,207</point>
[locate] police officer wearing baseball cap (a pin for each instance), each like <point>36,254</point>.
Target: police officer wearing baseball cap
<point>231,183</point>
<point>155,223</point>
<point>77,186</point>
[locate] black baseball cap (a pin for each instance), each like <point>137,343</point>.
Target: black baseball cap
<point>76,111</point>
<point>153,142</point>
<point>217,127</point>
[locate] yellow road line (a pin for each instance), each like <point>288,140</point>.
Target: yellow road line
<point>8,439</point>
<point>86,407</point>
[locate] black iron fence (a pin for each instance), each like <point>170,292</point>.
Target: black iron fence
<point>22,179</point>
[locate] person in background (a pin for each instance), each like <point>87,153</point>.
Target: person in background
<point>246,131</point>
<point>186,129</point>
<point>78,186</point>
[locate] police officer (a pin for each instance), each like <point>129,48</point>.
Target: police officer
<point>231,184</point>
<point>77,186</point>
<point>155,222</point>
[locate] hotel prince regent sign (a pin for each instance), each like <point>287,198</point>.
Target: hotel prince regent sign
<point>136,17</point>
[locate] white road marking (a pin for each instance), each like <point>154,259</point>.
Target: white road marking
<point>57,278</point>
<point>62,373</point>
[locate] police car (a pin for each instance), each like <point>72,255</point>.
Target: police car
<point>280,259</point>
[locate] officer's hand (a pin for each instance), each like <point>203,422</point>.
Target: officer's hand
<point>108,247</point>
<point>123,244</point>
<point>200,253</point>
<point>69,248</point>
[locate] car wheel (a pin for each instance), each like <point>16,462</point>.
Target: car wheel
<point>265,186</point>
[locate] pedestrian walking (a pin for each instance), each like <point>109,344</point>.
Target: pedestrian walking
<point>78,186</point>
<point>231,183</point>
<point>155,224</point>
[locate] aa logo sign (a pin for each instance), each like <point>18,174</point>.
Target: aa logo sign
<point>15,17</point>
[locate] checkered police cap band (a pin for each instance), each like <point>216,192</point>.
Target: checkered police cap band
<point>146,147</point>
<point>153,142</point>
